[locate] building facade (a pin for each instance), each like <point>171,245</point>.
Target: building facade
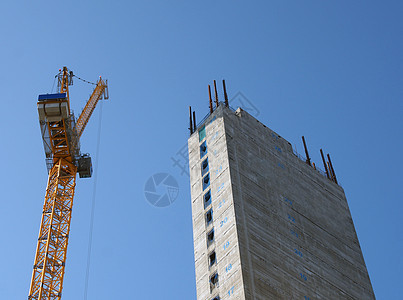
<point>267,225</point>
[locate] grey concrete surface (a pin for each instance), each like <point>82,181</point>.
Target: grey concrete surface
<point>282,230</point>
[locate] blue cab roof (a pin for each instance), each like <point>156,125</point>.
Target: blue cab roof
<point>57,96</point>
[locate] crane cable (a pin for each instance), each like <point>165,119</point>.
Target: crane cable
<point>87,273</point>
<point>53,86</point>
<point>84,80</point>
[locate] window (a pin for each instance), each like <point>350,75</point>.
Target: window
<point>207,199</point>
<point>213,281</point>
<point>206,181</point>
<point>204,166</point>
<point>209,216</point>
<point>210,237</point>
<point>212,258</point>
<point>203,149</point>
<point>202,133</point>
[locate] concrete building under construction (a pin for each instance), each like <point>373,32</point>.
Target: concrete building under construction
<point>266,223</point>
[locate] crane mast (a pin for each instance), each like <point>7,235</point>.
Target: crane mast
<point>62,149</point>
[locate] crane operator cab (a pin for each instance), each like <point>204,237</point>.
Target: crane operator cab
<point>53,107</point>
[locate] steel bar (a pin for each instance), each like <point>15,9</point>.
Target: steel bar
<point>331,166</point>
<point>211,100</point>
<point>225,94</point>
<point>216,95</point>
<point>190,120</point>
<point>308,159</point>
<point>324,163</point>
<point>194,121</point>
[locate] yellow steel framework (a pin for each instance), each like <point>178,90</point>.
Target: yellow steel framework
<point>100,89</point>
<point>50,257</point>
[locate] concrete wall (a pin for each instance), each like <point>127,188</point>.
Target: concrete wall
<point>282,229</point>
<point>228,265</point>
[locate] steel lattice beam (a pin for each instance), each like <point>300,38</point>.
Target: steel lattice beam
<point>90,106</point>
<point>50,258</point>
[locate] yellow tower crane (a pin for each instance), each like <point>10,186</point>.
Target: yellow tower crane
<point>61,138</point>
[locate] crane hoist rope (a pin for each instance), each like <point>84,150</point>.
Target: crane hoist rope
<point>94,190</point>
<point>61,134</point>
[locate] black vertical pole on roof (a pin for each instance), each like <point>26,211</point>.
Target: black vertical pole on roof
<point>216,94</point>
<point>330,171</point>
<point>211,100</point>
<point>194,121</point>
<point>190,120</point>
<point>225,94</point>
<point>324,163</point>
<point>308,159</point>
<point>331,166</point>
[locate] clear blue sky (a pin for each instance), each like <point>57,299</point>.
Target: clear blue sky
<point>329,70</point>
